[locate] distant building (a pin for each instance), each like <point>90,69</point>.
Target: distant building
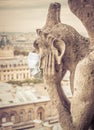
<point>15,69</point>
<point>22,41</point>
<point>12,68</point>
<point>6,48</point>
<point>24,106</point>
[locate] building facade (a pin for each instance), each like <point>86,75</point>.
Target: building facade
<point>12,68</point>
<point>24,106</point>
<point>15,69</point>
<point>23,116</point>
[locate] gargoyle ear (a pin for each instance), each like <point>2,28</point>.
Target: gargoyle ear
<point>39,32</point>
<point>60,47</point>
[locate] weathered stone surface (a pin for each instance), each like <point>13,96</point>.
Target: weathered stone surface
<point>84,10</point>
<point>62,48</point>
<point>76,46</point>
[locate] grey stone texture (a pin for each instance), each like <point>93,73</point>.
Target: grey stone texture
<point>62,48</point>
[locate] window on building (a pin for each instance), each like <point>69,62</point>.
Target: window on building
<point>40,113</point>
<point>2,66</point>
<point>4,77</point>
<point>23,75</point>
<point>17,76</point>
<point>4,119</point>
<point>13,118</point>
<point>14,65</point>
<point>29,115</point>
<point>8,77</point>
<point>12,77</point>
<point>21,116</point>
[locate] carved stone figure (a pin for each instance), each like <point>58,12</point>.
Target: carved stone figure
<point>76,46</point>
<point>84,75</point>
<point>62,48</point>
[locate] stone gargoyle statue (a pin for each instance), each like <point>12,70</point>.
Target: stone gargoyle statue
<point>62,48</point>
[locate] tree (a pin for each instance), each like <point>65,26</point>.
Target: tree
<point>63,48</point>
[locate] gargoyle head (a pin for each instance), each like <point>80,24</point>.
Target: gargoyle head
<point>45,43</point>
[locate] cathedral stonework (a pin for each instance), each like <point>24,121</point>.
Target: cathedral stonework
<point>62,48</point>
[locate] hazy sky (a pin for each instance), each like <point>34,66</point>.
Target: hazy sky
<point>28,15</point>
